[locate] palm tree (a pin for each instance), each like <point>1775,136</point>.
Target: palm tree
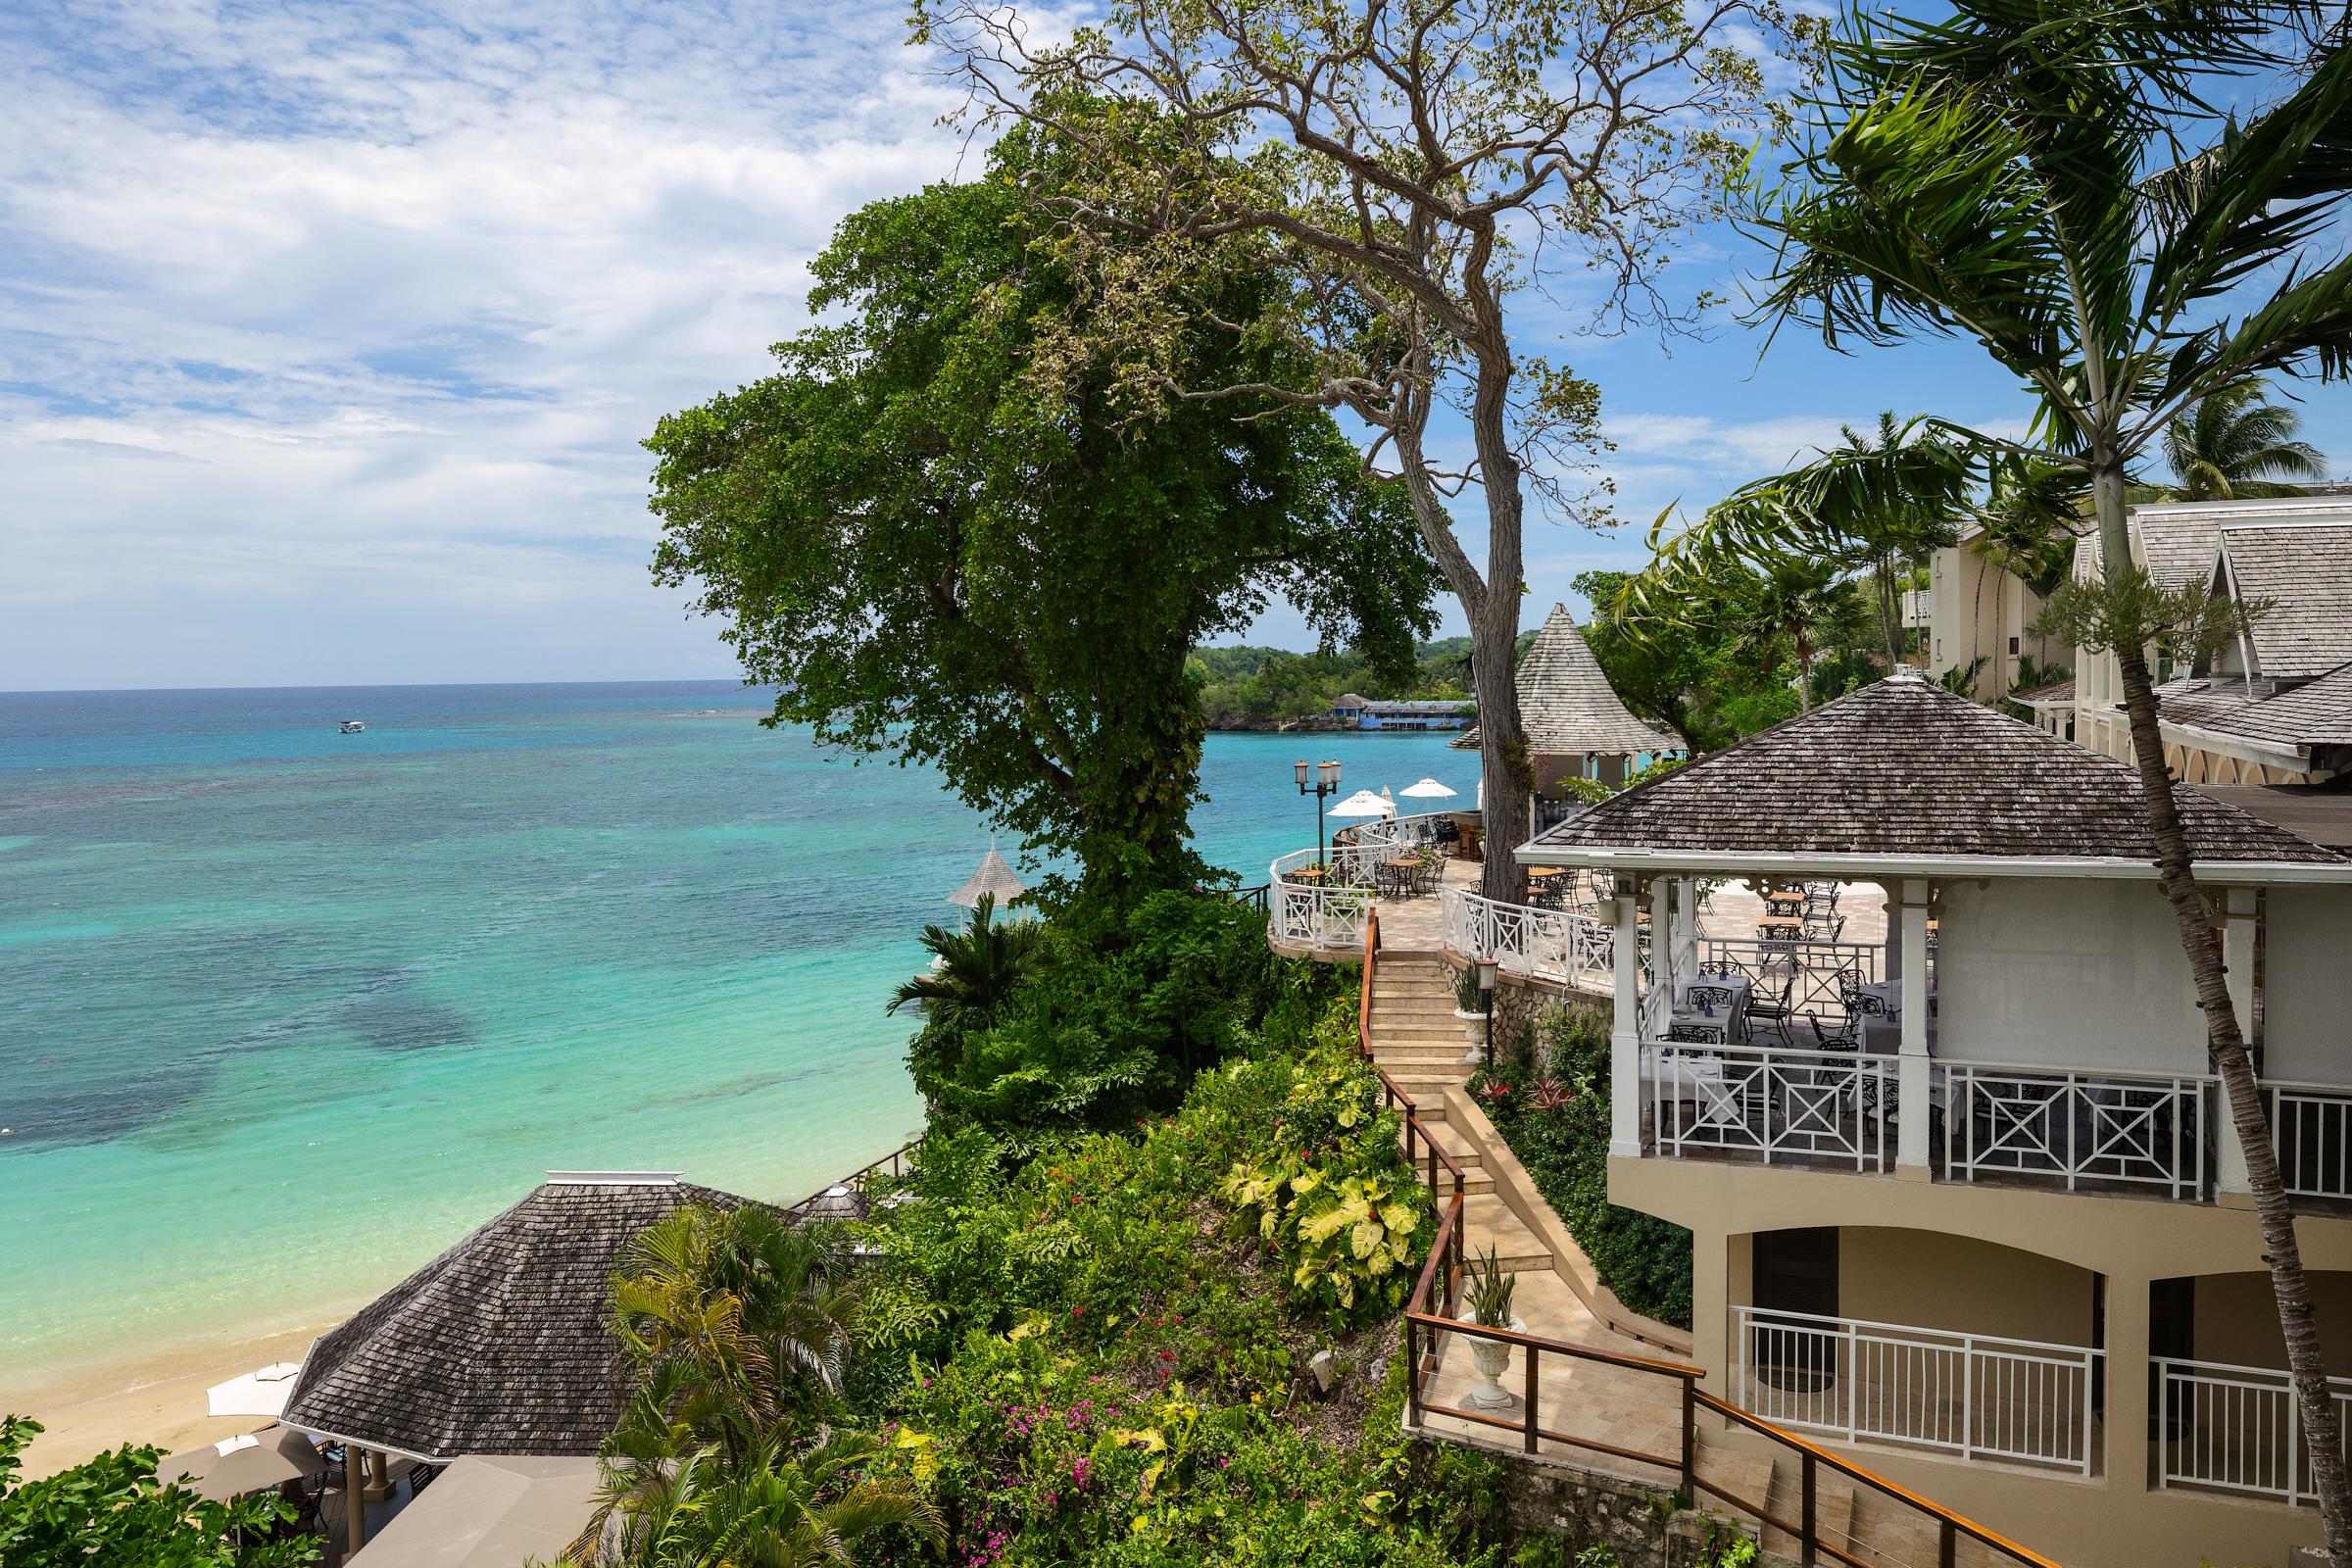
<point>979,969</point>
<point>737,1320</point>
<point>2051,181</point>
<point>1877,503</point>
<point>1797,601</point>
<point>768,1508</point>
<point>2234,444</point>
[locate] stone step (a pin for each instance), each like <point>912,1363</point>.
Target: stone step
<point>1390,1052</point>
<point>1488,1221</point>
<point>1433,987</point>
<point>1742,1469</point>
<point>1832,1507</point>
<point>1418,1032</point>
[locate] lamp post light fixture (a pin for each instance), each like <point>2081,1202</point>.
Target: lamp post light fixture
<point>1486,996</point>
<point>1324,784</point>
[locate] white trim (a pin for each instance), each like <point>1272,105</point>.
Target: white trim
<point>2221,743</point>
<point>373,1446</point>
<point>1877,867</point>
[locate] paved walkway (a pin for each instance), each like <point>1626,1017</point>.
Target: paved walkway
<point>1594,1407</point>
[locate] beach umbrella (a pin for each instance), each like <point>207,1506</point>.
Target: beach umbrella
<point>1363,802</point>
<point>262,1392</point>
<point>248,1462</point>
<point>1428,789</point>
<point>993,876</point>
<point>490,1511</point>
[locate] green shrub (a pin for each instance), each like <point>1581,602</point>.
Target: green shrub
<point>1559,1130</point>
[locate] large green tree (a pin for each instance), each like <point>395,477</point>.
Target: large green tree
<point>1418,166</point>
<point>112,1512</point>
<point>2052,181</point>
<point>941,531</point>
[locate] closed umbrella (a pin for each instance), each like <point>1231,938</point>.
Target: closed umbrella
<point>248,1462</point>
<point>262,1392</point>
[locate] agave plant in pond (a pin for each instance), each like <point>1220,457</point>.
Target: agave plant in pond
<point>1488,1298</point>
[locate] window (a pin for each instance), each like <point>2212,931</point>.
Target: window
<point>2013,647</point>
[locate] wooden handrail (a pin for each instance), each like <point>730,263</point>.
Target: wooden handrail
<point>1892,1488</point>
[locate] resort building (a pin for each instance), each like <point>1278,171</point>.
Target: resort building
<point>1418,714</point>
<point>2277,708</point>
<point>1978,610</point>
<point>1577,727</point>
<point>1967,1205</point>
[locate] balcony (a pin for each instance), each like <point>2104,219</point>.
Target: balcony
<point>1971,1396</point>
<point>2233,1428</point>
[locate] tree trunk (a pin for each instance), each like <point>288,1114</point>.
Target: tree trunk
<point>1503,763</point>
<point>2225,1044</point>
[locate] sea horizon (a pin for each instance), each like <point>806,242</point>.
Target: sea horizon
<point>292,1011</point>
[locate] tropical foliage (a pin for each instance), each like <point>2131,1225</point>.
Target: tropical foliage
<point>2234,444</point>
<point>112,1512</point>
<point>943,533</point>
<point>1106,1023</point>
<point>975,972</point>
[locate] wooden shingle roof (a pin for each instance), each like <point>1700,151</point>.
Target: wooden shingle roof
<point>1905,771</point>
<point>500,1345</point>
<point>1567,706</point>
<point>2303,569</point>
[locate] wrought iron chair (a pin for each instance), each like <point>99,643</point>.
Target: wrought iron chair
<point>1771,1009</point>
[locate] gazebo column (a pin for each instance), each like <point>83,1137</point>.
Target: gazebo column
<point>1625,1028</point>
<point>1917,1074</point>
<point>2238,955</point>
<point>1662,971</point>
<point>355,1493</point>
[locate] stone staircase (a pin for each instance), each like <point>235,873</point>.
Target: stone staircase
<point>1420,1045</point>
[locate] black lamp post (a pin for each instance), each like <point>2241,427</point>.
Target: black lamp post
<point>1486,996</point>
<point>1324,784</point>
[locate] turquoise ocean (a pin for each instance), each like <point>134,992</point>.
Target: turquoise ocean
<point>285,1011</point>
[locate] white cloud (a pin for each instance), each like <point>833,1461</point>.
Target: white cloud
<point>371,307</point>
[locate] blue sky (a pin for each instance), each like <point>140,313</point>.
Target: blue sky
<point>327,332</point>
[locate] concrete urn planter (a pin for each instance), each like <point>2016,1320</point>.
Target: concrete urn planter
<point>1474,1026</point>
<point>1489,1357</point>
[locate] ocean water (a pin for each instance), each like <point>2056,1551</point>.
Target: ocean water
<point>285,1011</point>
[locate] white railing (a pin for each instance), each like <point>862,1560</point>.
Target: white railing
<point>1554,945</point>
<point>1301,914</point>
<point>2070,1126</point>
<point>1971,1394</point>
<point>1420,828</point>
<point>2311,1126</point>
<point>1769,1105</point>
<point>2234,1429</point>
<point>1820,967</point>
<point>1342,864</point>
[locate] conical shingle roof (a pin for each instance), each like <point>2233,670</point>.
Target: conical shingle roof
<point>1903,770</point>
<point>1567,706</point>
<point>498,1346</point>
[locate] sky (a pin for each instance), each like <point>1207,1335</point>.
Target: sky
<point>328,332</point>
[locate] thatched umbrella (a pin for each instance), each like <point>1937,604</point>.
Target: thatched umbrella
<point>993,876</point>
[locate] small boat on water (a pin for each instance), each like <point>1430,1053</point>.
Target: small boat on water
<point>352,726</point>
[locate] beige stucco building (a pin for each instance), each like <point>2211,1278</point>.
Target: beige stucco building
<point>1975,611</point>
<point>1968,1205</point>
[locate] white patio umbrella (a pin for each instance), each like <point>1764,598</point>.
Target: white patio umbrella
<point>1363,802</point>
<point>1428,789</point>
<point>262,1392</point>
<point>247,1463</point>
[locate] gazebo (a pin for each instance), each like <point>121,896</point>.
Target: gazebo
<point>1577,727</point>
<point>497,1347</point>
